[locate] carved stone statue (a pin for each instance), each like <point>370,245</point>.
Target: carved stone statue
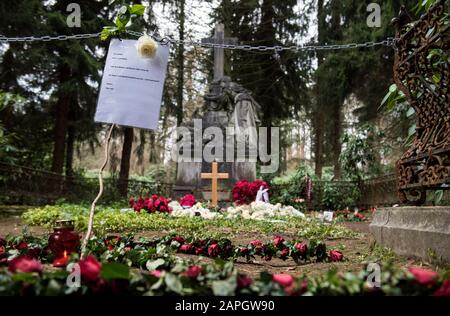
<point>242,111</point>
<point>244,117</point>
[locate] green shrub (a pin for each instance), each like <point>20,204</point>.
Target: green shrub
<point>338,196</point>
<point>289,189</point>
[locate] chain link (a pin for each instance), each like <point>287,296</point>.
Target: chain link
<point>166,40</point>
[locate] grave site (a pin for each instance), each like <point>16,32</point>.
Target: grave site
<point>224,148</point>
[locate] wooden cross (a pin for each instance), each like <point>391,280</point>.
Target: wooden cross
<point>214,176</point>
<point>219,57</point>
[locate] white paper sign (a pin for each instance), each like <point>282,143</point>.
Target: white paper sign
<point>328,216</point>
<point>132,86</point>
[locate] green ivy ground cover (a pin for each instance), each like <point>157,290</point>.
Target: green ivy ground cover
<point>114,219</point>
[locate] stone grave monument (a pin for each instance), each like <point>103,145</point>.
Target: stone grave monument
<point>232,109</point>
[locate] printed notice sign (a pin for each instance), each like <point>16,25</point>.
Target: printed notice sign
<point>132,86</point>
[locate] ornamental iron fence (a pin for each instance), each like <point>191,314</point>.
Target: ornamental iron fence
<point>421,72</point>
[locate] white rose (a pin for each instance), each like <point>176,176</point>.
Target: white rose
<point>146,47</point>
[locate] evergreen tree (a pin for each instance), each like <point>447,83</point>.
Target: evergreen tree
<point>365,72</point>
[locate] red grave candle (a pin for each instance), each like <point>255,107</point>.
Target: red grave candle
<point>61,262</point>
<point>63,241</point>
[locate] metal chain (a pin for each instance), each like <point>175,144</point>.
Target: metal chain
<point>4,39</point>
<point>165,40</point>
<point>387,42</point>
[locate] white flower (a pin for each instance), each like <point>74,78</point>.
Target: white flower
<point>262,210</point>
<point>146,47</point>
<point>197,209</point>
<point>256,210</point>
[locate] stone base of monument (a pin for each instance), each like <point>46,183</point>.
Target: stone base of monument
<point>180,191</point>
<point>414,231</point>
<point>221,196</point>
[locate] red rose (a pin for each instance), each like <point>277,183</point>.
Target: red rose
<point>284,253</point>
<point>258,245</point>
<point>444,290</point>
<point>245,192</point>
<point>34,252</point>
<point>228,250</point>
<point>156,273</point>
<point>139,205</point>
<point>243,251</point>
<point>278,241</point>
<point>178,239</point>
<point>198,251</point>
<point>149,204</point>
<point>335,255</point>
<point>302,248</point>
<point>24,264</point>
<point>22,245</point>
<point>240,192</point>
<point>186,248</point>
<point>359,215</point>
<point>284,280</point>
<point>154,197</point>
<point>243,281</point>
<point>193,272</point>
<point>90,268</point>
<point>131,201</point>
<point>293,290</point>
<point>424,276</point>
<point>214,250</point>
<point>3,258</point>
<point>188,200</point>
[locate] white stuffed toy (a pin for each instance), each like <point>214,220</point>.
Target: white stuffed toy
<point>262,195</point>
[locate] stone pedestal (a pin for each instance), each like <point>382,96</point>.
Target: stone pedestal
<point>188,178</point>
<point>414,231</point>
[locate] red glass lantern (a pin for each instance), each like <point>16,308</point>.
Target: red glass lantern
<point>64,240</point>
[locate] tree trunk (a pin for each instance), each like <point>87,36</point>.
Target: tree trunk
<point>302,143</point>
<point>154,153</point>
<point>337,145</point>
<point>337,102</point>
<point>180,62</point>
<point>318,143</point>
<point>318,115</point>
<point>61,123</point>
<point>70,149</point>
<point>125,161</point>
